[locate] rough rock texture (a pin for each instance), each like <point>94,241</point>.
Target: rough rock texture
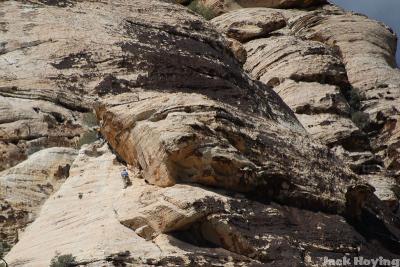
<point>254,24</point>
<point>25,187</point>
<point>326,64</point>
<point>189,138</point>
<point>100,238</point>
<point>27,126</point>
<point>223,6</point>
<point>368,51</point>
<point>231,177</point>
<point>175,226</point>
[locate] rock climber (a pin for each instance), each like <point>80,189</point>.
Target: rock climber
<point>125,178</point>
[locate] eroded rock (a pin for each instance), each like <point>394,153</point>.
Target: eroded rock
<point>26,186</point>
<point>175,105</point>
<point>223,6</point>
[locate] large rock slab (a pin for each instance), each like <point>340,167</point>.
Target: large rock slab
<point>309,76</point>
<point>368,50</point>
<point>306,65</point>
<point>174,103</point>
<point>223,6</point>
<point>26,186</point>
<point>313,98</point>
<point>175,226</point>
<point>177,138</point>
<point>273,59</point>
<point>82,219</point>
<point>27,126</point>
<point>253,24</point>
<point>334,130</point>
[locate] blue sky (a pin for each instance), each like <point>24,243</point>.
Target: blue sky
<point>387,11</point>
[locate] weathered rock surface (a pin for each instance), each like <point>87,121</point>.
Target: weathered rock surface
<point>255,24</point>
<point>27,126</point>
<point>326,65</point>
<point>68,223</point>
<point>305,74</point>
<point>231,177</point>
<point>188,138</point>
<point>223,6</point>
<point>368,51</point>
<point>175,226</point>
<point>25,187</point>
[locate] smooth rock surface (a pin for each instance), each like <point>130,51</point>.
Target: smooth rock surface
<point>178,138</point>
<point>26,186</point>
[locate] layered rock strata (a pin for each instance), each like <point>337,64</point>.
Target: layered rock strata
<point>222,172</point>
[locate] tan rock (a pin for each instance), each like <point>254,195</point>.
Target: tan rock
<point>27,126</point>
<point>272,59</point>
<point>255,23</point>
<point>282,59</point>
<point>237,49</point>
<point>175,105</point>
<point>82,219</point>
<point>334,130</point>
<point>309,77</point>
<point>84,226</point>
<point>385,189</point>
<point>370,67</point>
<point>178,138</point>
<point>25,187</point>
<point>223,6</point>
<point>313,98</point>
<point>183,224</point>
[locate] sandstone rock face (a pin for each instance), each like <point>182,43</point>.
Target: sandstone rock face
<point>223,6</point>
<point>255,24</point>
<point>326,66</point>
<point>27,126</point>
<point>40,106</point>
<point>231,176</point>
<point>370,68</point>
<point>175,226</point>
<point>27,185</point>
<point>188,138</point>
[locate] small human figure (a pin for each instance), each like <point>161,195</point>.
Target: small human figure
<point>125,178</point>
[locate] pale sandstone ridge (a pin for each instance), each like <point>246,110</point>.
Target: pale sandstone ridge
<point>326,64</point>
<point>28,125</point>
<point>368,51</point>
<point>25,187</point>
<point>223,6</point>
<point>231,177</point>
<point>145,225</point>
<point>189,138</point>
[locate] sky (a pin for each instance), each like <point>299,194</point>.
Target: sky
<point>387,11</point>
